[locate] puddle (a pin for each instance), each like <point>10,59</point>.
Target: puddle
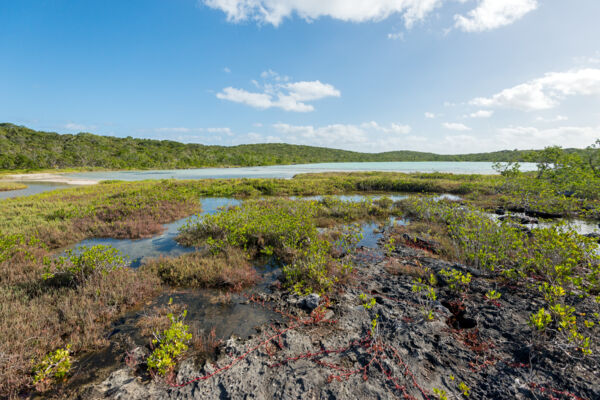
<point>164,244</point>
<point>372,232</point>
<point>352,197</point>
<point>207,309</point>
<point>448,196</point>
<point>580,226</point>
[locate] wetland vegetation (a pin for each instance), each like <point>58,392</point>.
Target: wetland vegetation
<point>57,306</point>
<point>7,186</point>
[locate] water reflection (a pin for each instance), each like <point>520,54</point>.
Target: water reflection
<point>162,245</point>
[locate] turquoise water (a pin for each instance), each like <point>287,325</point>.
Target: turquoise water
<point>288,171</point>
<point>32,188</point>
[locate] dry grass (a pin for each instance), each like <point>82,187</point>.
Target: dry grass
<point>397,267</point>
<point>36,318</point>
<point>229,268</point>
<point>204,343</point>
<point>156,319</point>
<point>426,234</point>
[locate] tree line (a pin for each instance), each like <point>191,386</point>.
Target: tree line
<point>24,148</point>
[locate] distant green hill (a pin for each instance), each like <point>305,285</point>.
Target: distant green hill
<point>23,148</point>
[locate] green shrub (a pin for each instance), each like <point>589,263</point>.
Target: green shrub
<point>169,345</point>
<point>288,230</point>
<point>79,265</point>
<point>54,367</point>
<point>457,281</point>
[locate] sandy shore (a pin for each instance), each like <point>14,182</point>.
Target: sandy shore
<point>49,178</point>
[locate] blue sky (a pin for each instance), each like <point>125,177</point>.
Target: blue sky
<point>447,76</point>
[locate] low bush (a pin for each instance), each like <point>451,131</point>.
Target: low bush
<point>566,263</point>
<point>169,346</point>
<point>81,264</point>
<point>55,366</point>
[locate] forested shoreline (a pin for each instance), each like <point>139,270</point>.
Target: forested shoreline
<point>27,149</point>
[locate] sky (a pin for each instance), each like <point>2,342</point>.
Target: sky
<point>444,76</point>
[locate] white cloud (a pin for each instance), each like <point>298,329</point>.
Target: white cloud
<point>278,93</point>
<point>226,70</point>
<point>396,36</point>
<point>489,14</point>
<point>79,127</point>
<point>430,115</point>
<point>311,90</point>
<point>545,92</point>
<point>225,131</point>
<point>589,60</point>
<point>369,136</point>
<point>523,138</point>
<point>492,14</point>
<point>531,137</point>
<point>558,118</point>
<point>481,114</point>
<point>392,128</point>
<point>275,11</point>
<point>455,126</point>
<point>257,100</point>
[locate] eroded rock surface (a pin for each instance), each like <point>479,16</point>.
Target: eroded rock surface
<point>484,344</point>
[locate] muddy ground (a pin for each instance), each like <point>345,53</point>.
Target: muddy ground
<point>333,353</point>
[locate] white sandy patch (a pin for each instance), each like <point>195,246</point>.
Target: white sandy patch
<point>50,178</point>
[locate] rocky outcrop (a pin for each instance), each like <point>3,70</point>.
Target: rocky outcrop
<point>333,350</point>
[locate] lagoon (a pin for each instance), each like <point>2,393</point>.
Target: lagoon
<point>288,171</point>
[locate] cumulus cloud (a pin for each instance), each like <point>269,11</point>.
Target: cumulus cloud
<point>279,93</point>
<point>368,136</point>
<point>487,15</point>
<point>492,14</point>
<point>373,137</point>
<point>480,114</point>
<point>566,136</point>
<point>589,60</point>
<point>545,92</point>
<point>522,137</point>
<point>430,115</point>
<point>275,11</point>
<point>558,118</point>
<point>257,100</point>
<point>455,126</point>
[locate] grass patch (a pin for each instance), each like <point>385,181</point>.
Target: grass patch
<point>117,210</point>
<point>227,269</point>
<point>7,186</point>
